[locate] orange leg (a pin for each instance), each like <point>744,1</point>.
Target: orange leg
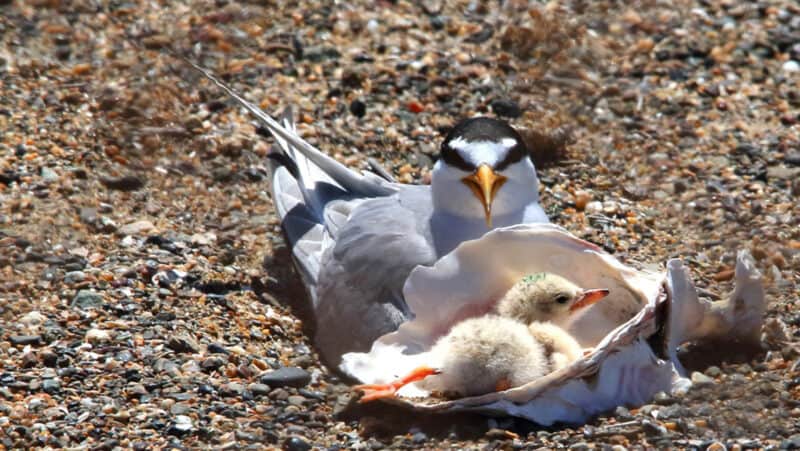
<point>502,385</point>
<point>381,391</point>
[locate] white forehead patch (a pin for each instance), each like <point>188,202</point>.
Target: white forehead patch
<point>479,152</point>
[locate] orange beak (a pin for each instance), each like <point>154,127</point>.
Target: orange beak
<point>588,298</point>
<point>484,183</point>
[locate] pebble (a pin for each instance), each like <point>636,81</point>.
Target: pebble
<point>358,108</point>
<point>286,377</point>
<point>700,380</point>
<point>74,277</point>
<point>136,228</point>
<point>86,299</point>
<point>51,386</point>
<point>95,336</point>
<point>791,66</point>
<point>793,442</point>
<point>24,340</point>
<point>653,429</point>
<point>506,108</point>
<point>33,318</point>
<point>183,343</point>
<point>123,183</point>
<point>296,444</point>
<point>663,399</point>
<point>181,425</point>
<point>259,389</point>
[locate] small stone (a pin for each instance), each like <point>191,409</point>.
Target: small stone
<point>87,299</point>
<point>259,389</point>
<point>663,399</point>
<point>793,442</point>
<point>622,413</point>
<point>33,318</point>
<point>124,183</point>
<point>97,336</point>
<point>700,380</point>
<point>74,277</point>
<point>358,108</point>
<point>25,340</point>
<point>286,377</point>
<point>792,158</point>
<point>136,228</point>
<point>215,348</point>
<point>653,429</point>
<point>296,444</point>
<point>51,386</point>
<point>231,390</point>
<point>716,446</point>
<point>181,426</point>
<point>183,344</point>
<point>49,175</point>
<point>791,66</point>
<point>506,108</point>
<point>713,371</point>
<point>297,400</point>
<point>582,198</point>
<point>211,364</point>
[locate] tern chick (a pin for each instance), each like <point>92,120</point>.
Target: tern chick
<point>494,353</point>
<point>546,297</point>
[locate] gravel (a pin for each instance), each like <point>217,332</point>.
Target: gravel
<point>145,289</point>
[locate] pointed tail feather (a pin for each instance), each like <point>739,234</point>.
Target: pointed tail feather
<point>344,177</point>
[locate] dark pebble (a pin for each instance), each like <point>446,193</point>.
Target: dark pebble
<point>215,348</point>
<point>124,183</point>
<point>49,358</point>
<point>652,429</point>
<point>24,340</point>
<point>212,363</point>
<point>663,399</point>
<point>296,444</point>
<point>358,108</point>
<point>286,377</point>
<point>51,386</point>
<point>506,108</point>
<point>481,36</point>
<point>792,158</point>
<point>183,344</point>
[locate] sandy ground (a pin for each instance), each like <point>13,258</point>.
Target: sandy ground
<point>144,285</point>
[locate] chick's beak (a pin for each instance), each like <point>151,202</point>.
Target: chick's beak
<point>484,183</point>
<point>588,298</point>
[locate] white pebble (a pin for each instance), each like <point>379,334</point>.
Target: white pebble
<point>791,66</point>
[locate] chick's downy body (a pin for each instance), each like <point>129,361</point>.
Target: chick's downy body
<point>485,354</point>
<point>560,348</point>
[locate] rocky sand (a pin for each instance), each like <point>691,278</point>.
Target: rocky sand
<point>146,296</point>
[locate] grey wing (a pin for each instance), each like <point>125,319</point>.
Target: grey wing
<point>362,276</point>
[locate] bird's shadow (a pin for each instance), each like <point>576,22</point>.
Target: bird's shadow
<point>384,420</point>
<point>699,356</point>
<point>283,286</point>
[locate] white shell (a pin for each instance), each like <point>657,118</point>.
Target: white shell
<point>623,369</point>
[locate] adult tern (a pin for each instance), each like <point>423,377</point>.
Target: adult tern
<point>356,237</point>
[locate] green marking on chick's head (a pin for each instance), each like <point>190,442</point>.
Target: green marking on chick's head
<point>533,278</point>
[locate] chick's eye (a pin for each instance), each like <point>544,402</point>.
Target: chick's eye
<point>563,299</point>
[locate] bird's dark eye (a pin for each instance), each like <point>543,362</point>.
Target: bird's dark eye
<point>562,299</point>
